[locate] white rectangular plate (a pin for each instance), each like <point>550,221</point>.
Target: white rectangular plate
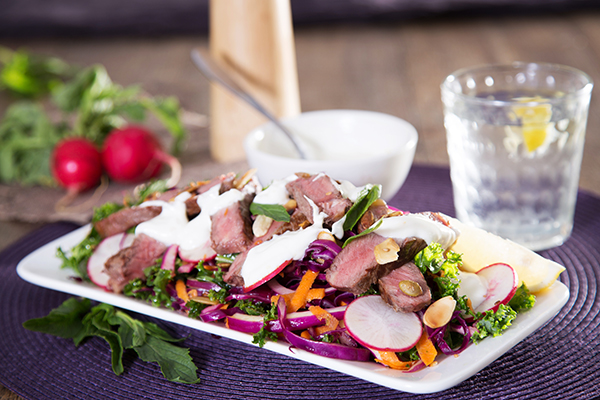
<point>42,268</point>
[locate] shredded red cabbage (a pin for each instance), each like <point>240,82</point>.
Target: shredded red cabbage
<point>331,350</point>
<point>461,327</point>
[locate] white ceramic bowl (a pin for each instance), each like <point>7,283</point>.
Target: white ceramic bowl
<point>358,146</point>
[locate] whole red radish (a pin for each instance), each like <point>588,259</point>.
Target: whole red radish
<point>132,154</point>
<point>76,164</point>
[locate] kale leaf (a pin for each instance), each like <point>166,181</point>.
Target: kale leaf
<point>493,323</point>
<point>522,300</point>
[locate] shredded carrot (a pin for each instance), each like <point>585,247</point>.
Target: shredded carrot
<point>299,299</point>
<point>311,295</point>
<point>182,290</point>
<point>306,335</point>
<point>315,294</point>
<point>390,359</point>
<point>426,349</point>
<point>287,297</point>
<point>331,322</point>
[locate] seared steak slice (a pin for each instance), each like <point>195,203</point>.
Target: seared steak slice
<point>192,209</point>
<point>233,276</point>
<point>124,219</point>
<point>355,268</point>
<point>231,230</point>
<point>389,286</point>
<point>129,263</point>
<point>297,221</point>
<point>321,190</point>
<point>372,215</point>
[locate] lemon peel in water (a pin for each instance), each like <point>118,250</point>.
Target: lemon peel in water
<point>535,121</point>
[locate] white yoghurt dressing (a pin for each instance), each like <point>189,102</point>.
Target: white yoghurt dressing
<point>276,192</point>
<point>172,226</point>
<point>417,225</point>
<point>290,245</point>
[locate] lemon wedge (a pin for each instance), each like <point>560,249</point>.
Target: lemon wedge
<point>480,249</point>
<point>535,121</point>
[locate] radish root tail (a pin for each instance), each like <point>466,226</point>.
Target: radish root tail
<point>62,205</point>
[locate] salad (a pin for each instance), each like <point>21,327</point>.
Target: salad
<point>322,264</point>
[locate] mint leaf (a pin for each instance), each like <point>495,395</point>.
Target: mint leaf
<point>64,321</point>
<point>276,212</point>
<point>363,233</point>
<point>362,204</point>
<point>175,362</point>
<point>78,320</point>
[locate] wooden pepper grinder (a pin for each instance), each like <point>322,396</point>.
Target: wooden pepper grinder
<point>254,42</point>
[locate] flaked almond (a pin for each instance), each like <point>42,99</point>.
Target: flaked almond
<point>387,251</point>
<point>439,313</point>
<point>325,236</point>
<point>410,288</point>
<point>290,205</point>
<point>244,179</point>
<point>203,300</point>
<point>261,225</point>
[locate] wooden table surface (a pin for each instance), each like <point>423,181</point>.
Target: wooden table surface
<point>394,68</point>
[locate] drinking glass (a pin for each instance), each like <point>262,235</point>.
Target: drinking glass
<point>515,136</point>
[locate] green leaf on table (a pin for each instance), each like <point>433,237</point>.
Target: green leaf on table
<point>64,321</point>
<point>77,320</point>
<point>167,111</point>
<point>175,362</point>
<point>26,141</point>
<point>29,75</point>
<point>276,212</point>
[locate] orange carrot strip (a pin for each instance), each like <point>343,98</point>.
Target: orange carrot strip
<point>426,349</point>
<point>331,322</point>
<point>390,359</point>
<point>287,297</point>
<point>306,335</point>
<point>313,294</point>
<point>299,299</point>
<point>182,290</point>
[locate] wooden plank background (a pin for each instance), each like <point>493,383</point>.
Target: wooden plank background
<point>389,67</point>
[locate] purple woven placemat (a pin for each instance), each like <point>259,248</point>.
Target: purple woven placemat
<point>557,361</point>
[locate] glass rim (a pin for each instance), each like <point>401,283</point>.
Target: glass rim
<point>586,89</point>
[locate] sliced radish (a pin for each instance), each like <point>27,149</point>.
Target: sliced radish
<point>168,261</point>
<point>278,287</point>
<point>200,253</point>
<point>497,285</point>
<point>472,286</point>
<point>105,250</point>
<point>374,324</point>
<point>266,273</point>
<point>186,268</point>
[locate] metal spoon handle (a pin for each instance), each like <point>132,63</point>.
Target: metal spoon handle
<point>213,72</point>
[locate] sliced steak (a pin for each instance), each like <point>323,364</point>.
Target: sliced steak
<point>231,230</point>
<point>124,219</point>
<point>372,215</point>
<point>321,190</point>
<point>192,209</point>
<point>129,263</point>
<point>389,286</point>
<point>297,221</point>
<point>233,276</point>
<point>355,268</point>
